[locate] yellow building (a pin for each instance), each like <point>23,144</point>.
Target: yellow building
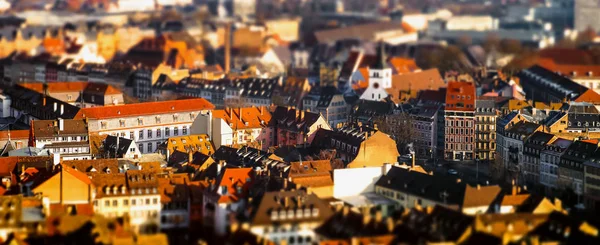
<point>190,143</point>
<point>65,186</point>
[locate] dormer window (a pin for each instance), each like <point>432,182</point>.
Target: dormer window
<point>175,118</point>
<point>157,119</point>
<point>274,215</point>
<point>106,190</point>
<point>140,121</point>
<point>123,189</point>
<point>115,190</point>
<point>315,212</point>
<point>122,123</point>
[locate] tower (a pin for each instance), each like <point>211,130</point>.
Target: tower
<point>380,74</point>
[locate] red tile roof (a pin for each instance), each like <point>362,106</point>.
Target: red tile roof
<point>403,65</point>
<point>14,134</point>
<point>567,56</point>
<point>7,165</point>
<point>253,116</point>
<point>571,70</point>
<point>589,96</point>
<point>148,108</point>
<point>460,96</point>
<point>56,86</point>
<point>232,178</point>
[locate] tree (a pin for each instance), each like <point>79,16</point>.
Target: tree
<point>399,127</point>
<point>510,46</point>
<point>492,42</point>
<point>586,36</point>
<point>464,41</point>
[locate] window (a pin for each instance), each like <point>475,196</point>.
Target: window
<point>158,133</point>
<point>175,118</point>
<point>184,130</point>
<point>147,201</point>
<point>103,125</point>
<point>167,132</point>
<point>131,135</point>
<point>154,201</point>
<point>175,131</point>
<point>133,202</point>
<point>141,134</point>
<point>141,147</point>
<point>140,122</point>
<point>107,203</point>
<point>115,203</point>
<point>122,123</point>
<point>157,119</point>
<point>149,133</point>
<point>149,147</point>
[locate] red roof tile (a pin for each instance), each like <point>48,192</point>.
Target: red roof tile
<point>460,96</point>
<point>232,178</point>
<point>14,134</point>
<point>56,86</point>
<point>251,117</point>
<point>7,165</point>
<point>589,96</point>
<point>148,108</point>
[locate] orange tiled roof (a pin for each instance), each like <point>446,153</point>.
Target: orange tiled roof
<point>7,164</point>
<point>403,65</point>
<point>412,83</point>
<point>251,117</point>
<point>460,92</point>
<point>573,70</point>
<point>148,108</point>
<point>56,86</point>
<point>514,200</point>
<point>232,178</point>
<point>14,134</point>
<point>567,55</point>
<point>589,96</point>
<point>361,85</point>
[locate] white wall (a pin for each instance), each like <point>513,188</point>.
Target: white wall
<point>356,181</point>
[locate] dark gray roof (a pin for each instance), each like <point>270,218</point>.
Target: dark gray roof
<point>112,148</point>
<point>442,189</point>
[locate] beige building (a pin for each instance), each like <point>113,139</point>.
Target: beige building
<point>149,124</point>
<point>133,194</point>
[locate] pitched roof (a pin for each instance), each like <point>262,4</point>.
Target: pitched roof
<point>14,134</point>
<point>231,178</point>
<point>147,108</point>
<point>414,82</point>
<point>460,96</point>
<point>96,165</point>
<point>346,224</point>
<point>589,96</point>
<point>480,195</point>
<point>403,65</point>
<point>51,128</point>
<point>7,165</point>
<point>293,119</point>
<point>275,205</point>
<point>244,118</point>
<point>195,143</point>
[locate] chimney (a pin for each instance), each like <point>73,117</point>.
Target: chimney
<point>478,187</point>
<point>241,115</point>
<point>262,109</point>
<point>227,47</point>
<point>61,124</point>
<point>44,101</point>
<point>286,202</point>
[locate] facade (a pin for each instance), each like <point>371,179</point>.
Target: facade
<point>81,94</point>
<point>69,138</point>
<point>591,182</point>
<point>241,126</point>
<point>330,103</point>
<point>133,194</point>
<point>289,126</point>
<point>485,128</point>
<point>571,165</point>
<point>550,161</point>
<point>534,145</point>
<point>411,189</point>
<point>290,216</point>
<point>148,124</point>
<point>380,78</point>
<point>64,186</point>
<point>514,141</point>
<point>459,118</point>
<point>358,147</point>
<point>425,125</point>
<point>176,202</point>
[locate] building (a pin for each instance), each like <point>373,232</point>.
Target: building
<point>69,138</point>
<point>133,194</point>
<point>226,196</point>
<point>289,126</point>
<point>411,189</point>
<point>240,126</point>
<point>330,103</point>
<point>64,187</point>
<point>459,118</point>
<point>425,124</point>
<point>290,216</point>
<point>532,150</point>
<point>550,160</point>
<point>27,105</point>
<point>292,92</point>
<point>119,147</point>
<point>591,182</point>
<point>188,144</point>
<point>175,200</point>
<point>543,85</point>
<point>391,32</point>
<point>13,140</point>
<point>571,165</point>
<point>358,147</point>
<point>585,16</point>
<point>586,75</point>
<point>380,77</point>
<point>148,124</point>
<point>514,141</point>
<point>485,128</point>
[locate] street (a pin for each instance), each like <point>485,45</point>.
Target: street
<point>466,170</point>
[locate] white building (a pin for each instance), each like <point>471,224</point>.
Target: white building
<point>380,78</point>
<point>69,138</point>
<point>149,124</point>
